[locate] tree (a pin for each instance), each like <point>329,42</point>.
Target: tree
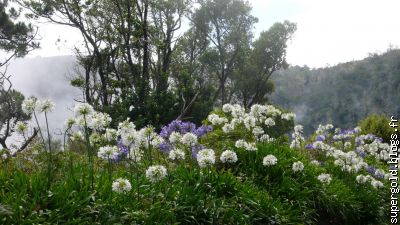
<point>267,55</point>
<point>129,45</point>
<point>227,27</point>
<point>11,112</point>
<point>16,38</point>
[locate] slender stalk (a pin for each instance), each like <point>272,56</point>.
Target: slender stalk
<point>89,152</point>
<point>50,157</point>
<point>40,130</point>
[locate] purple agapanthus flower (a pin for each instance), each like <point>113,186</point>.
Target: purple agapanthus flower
<point>310,147</point>
<point>182,128</point>
<point>361,153</point>
<point>371,170</point>
<point>320,138</point>
<point>122,148</point>
<point>165,147</point>
<point>195,150</point>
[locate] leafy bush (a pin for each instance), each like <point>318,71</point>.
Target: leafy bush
<point>378,125</point>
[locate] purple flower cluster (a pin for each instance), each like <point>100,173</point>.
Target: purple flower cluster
<point>361,153</point>
<point>368,137</point>
<point>371,170</point>
<point>195,150</point>
<point>122,148</point>
<point>310,146</point>
<point>320,138</point>
<point>182,128</point>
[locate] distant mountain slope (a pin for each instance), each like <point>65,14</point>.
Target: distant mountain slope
<point>342,94</point>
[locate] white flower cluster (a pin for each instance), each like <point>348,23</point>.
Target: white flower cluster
<point>206,157</point>
<point>85,115</point>
<point>348,161</point>
<point>189,139</point>
<point>136,139</point>
<point>361,179</point>
<point>297,166</point>
<point>323,129</point>
<point>176,154</point>
<point>30,105</point>
<point>266,138</point>
<point>269,160</point>
<point>121,185</point>
<point>20,127</point>
<point>98,121</point>
<point>297,137</point>
<point>216,120</point>
<point>135,154</point>
<point>325,178</point>
<point>46,106</point>
<point>377,149</point>
<point>229,156</point>
<point>108,152</point>
<point>256,120</point>
<point>156,173</point>
<point>245,145</point>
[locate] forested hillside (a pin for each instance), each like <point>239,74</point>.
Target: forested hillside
<point>343,94</point>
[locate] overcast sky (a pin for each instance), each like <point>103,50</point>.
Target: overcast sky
<point>329,32</point>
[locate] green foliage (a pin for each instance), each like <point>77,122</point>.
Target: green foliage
<point>343,94</point>
<point>16,37</point>
<point>246,193</point>
<point>378,125</point>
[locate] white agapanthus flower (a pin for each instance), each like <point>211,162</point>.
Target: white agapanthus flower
<point>288,116</point>
<point>228,156</point>
<point>206,157</point>
<point>240,143</point>
<point>249,122</point>
<point>269,122</point>
<point>111,134</point>
<point>175,137</point>
<point>156,173</point>
<point>135,154</point>
<point>251,147</point>
<point>315,162</point>
<point>228,127</point>
<point>83,109</point>
<point>272,111</point>
<point>47,106</point>
<point>324,178</point>
<point>189,139</point>
<point>70,122</point>
<point>121,185</point>
<point>77,136</point>
<point>227,108</point>
<point>266,138</point>
<point>376,184</point>
<point>216,120</point>
<point>297,166</point>
<point>257,131</point>
<point>98,121</point>
<point>29,105</point>
<point>20,127</point>
<point>176,154</point>
<point>126,127</point>
<point>108,152</point>
<point>361,179</point>
<point>270,160</point>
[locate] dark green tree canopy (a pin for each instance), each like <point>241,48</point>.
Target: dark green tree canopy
<point>16,38</point>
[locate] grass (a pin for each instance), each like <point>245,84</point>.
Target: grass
<point>243,193</point>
